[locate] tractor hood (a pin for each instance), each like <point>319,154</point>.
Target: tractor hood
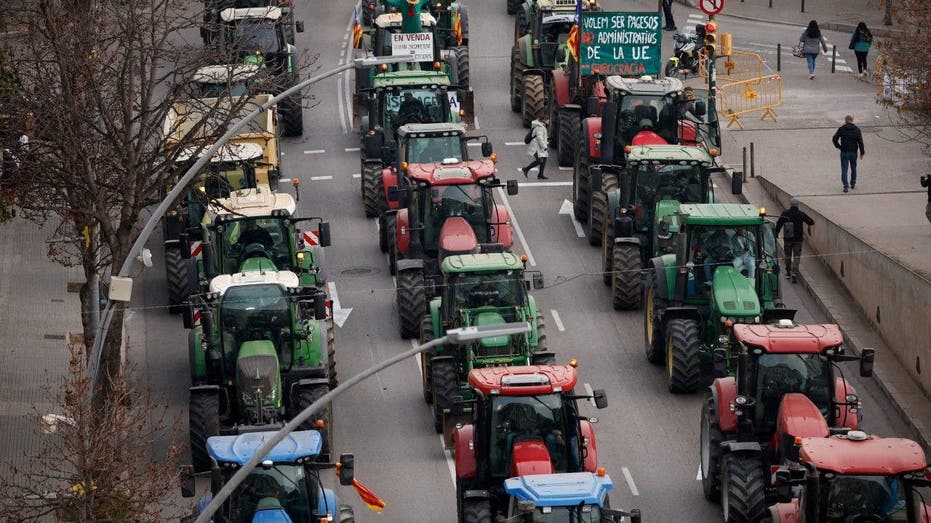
<point>530,457</point>
<point>269,510</point>
<point>457,237</point>
<point>257,373</point>
<point>491,318</point>
<point>240,449</point>
<point>257,264</point>
<point>799,417</point>
<point>869,455</point>
<point>560,490</point>
<point>734,294</point>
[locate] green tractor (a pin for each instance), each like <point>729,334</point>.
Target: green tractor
<point>261,350</point>
<point>637,197</point>
<point>478,289</point>
<point>723,271</point>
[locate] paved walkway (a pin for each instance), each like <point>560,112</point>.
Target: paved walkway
<point>834,15</point>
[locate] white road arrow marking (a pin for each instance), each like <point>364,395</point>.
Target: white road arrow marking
<point>340,315</point>
<point>567,208</point>
<point>558,320</point>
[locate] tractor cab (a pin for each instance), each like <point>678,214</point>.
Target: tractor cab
<point>285,487</point>
<point>443,143</point>
<point>217,81</point>
<point>570,497</point>
<point>854,477</point>
<point>256,35</point>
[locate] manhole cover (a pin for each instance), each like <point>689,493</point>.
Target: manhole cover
<point>357,271</point>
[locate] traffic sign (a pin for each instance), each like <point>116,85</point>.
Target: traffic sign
<point>711,7</point>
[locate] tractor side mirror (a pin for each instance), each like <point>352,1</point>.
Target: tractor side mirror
<point>512,187</point>
<point>537,280</point>
<point>346,469</point>
<point>866,362</point>
<point>487,149</point>
<point>299,26</point>
<point>210,260</point>
<point>700,108</point>
<point>320,306</point>
<point>323,232</point>
<point>719,362</point>
<point>601,399</point>
<point>663,233</point>
<point>186,476</point>
<point>187,316</point>
<point>737,182</point>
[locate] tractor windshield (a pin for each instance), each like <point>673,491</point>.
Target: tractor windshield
<point>241,240</point>
<point>436,204</point>
<point>257,38</point>
<point>647,113</point>
<point>219,90</point>
<point>540,418</point>
<point>224,177</point>
<point>862,498</point>
<point>282,486</point>
<point>713,246</point>
<point>553,34</point>
<point>414,106</point>
<point>780,374</point>
<point>429,149</point>
<point>254,312</point>
<point>488,289</point>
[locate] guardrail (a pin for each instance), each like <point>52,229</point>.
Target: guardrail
<point>736,67</point>
<point>736,99</point>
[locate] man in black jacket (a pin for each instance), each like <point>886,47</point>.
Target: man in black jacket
<point>926,182</point>
<point>848,139</point>
<point>793,235</point>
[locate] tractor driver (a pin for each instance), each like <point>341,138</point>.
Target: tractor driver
<point>484,294</point>
<point>677,190</point>
<point>861,500</point>
<point>523,422</point>
<point>716,250</point>
<point>412,110</point>
<point>255,233</point>
<point>743,247</point>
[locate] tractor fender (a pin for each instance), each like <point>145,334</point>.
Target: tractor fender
<point>590,127</point>
<point>724,390</point>
<point>403,233</point>
<point>533,71</point>
<point>624,226</point>
<point>196,354</point>
<point>686,312</point>
<point>204,389</point>
<point>661,285</point>
<point>614,201</point>
<point>464,447</point>
<point>372,143</point>
<point>501,231</point>
<point>389,178</point>
<point>409,263</point>
<point>741,446</point>
<point>364,124</point>
<point>435,318</point>
<point>326,503</point>
<point>629,240</point>
<point>308,382</point>
<point>785,512</point>
<point>845,417</point>
<point>561,88</point>
<point>590,451</point>
<point>476,494</point>
<point>525,48</point>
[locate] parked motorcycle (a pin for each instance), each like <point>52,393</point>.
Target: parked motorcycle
<point>684,60</point>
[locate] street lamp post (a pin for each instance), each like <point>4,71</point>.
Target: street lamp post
<point>453,337</point>
<point>137,247</point>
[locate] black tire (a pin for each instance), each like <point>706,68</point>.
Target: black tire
<point>567,142</point>
<point>541,332</point>
<point>653,333</point>
<point>382,234</point>
<point>426,369</point>
<point>476,511</point>
<point>445,387</point>
<point>292,115</point>
<point>203,422</point>
<point>391,225</point>
<point>331,353</point>
<point>462,66</point>
<point>513,6</point>
<point>305,397</point>
<point>671,71</point>
<point>517,79</point>
<point>580,179</point>
<point>626,293</point>
<point>597,217</point>
<point>533,102</point>
<point>709,443</point>
<point>373,190</point>
<point>346,514</point>
<point>178,277</point>
<point>608,185</point>
<point>411,302</point>
<point>683,366</point>
<point>743,488</point>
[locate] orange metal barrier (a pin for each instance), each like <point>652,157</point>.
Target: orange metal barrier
<point>756,94</point>
<point>739,66</point>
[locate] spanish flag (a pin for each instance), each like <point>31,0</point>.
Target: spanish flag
<point>457,26</point>
<point>356,27</point>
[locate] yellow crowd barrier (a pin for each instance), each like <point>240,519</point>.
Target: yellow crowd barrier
<point>756,94</point>
<point>736,67</point>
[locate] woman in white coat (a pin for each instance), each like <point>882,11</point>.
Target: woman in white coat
<point>539,147</point>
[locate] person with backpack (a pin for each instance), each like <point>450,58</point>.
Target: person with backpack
<point>538,140</point>
<point>860,42</point>
<point>793,234</point>
<point>812,43</point>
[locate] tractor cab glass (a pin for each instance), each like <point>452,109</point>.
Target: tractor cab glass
<point>222,178</point>
<point>257,37</point>
<point>542,419</point>
<point>655,182</point>
<point>554,32</point>
<point>573,514</point>
<point>501,289</point>
<point>710,247</point>
<point>242,240</point>
<point>413,106</point>
<point>647,113</point>
<point>780,374</point>
<point>434,149</point>
<point>283,486</point>
<point>254,313</point>
<point>862,498</point>
<point>709,131</point>
<point>218,90</point>
<point>438,203</point>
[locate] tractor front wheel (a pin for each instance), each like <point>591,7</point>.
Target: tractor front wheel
<point>391,240</point>
<point>373,193</point>
<point>608,185</point>
<point>597,216</point>
<point>462,66</point>
<point>178,276</point>
<point>346,514</point>
<point>476,511</point>
<point>683,366</point>
<point>581,188</point>
<point>541,332</point>
<point>203,422</point>
<point>743,489</point>
<point>567,142</point>
<point>709,441</point>
<point>625,276</point>
<point>305,397</point>
<point>426,370</point>
<point>331,352</point>
<point>411,301</point>
<point>653,333</point>
<point>444,389</point>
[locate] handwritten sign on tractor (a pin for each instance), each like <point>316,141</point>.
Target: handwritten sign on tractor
<point>417,45</point>
<point>626,44</point>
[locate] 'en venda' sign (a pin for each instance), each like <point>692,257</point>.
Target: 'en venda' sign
<point>419,46</point>
<point>626,44</point>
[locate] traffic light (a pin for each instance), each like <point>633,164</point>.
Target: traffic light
<point>711,36</point>
<point>727,44</point>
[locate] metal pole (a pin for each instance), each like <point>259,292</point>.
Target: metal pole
<point>745,161</point>
<point>95,280</point>
<point>189,175</point>
<point>803,6</point>
<point>778,57</point>
<point>752,162</point>
<point>833,58</point>
<point>887,17</point>
<point>305,414</point>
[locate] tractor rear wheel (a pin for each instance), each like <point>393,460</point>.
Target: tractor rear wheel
<point>709,442</point>
<point>292,115</point>
<point>597,216</point>
<point>203,422</point>
<point>513,6</point>
<point>445,386</point>
<point>346,514</point>
<point>476,511</point>
<point>608,185</point>
<point>411,301</point>
<point>305,397</point>
<point>517,79</point>
<point>373,193</point>
<point>391,240</point>
<point>743,488</point>
<point>534,99</point>
<point>426,370</point>
<point>331,352</point>
<point>625,277</point>
<point>462,66</point>
<point>541,332</point>
<point>653,333</point>
<point>581,188</point>
<point>382,234</point>
<point>567,142</point>
<point>683,366</point>
<point>178,276</point>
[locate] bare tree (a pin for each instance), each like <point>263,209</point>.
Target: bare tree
<point>92,468</point>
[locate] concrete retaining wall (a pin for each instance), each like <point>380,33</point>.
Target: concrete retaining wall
<point>896,300</point>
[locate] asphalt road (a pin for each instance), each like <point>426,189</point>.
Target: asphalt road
<point>647,438</point>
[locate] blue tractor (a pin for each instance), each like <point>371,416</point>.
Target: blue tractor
<point>573,496</point>
<point>284,488</point>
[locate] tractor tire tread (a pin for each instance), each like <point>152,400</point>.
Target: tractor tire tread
<point>626,293</point>
<point>685,368</point>
<point>411,301</point>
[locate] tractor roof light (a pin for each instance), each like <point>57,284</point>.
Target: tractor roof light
<point>436,66</point>
<point>762,211</point>
<point>627,149</point>
<point>714,152</point>
<point>319,423</point>
<point>574,363</point>
<point>462,112</point>
<point>740,400</point>
<point>404,166</point>
<point>383,67</point>
<point>600,472</point>
<point>493,157</point>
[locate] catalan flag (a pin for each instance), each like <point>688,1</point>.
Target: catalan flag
<point>573,41</point>
<point>368,497</point>
<point>457,26</point>
<point>356,27</point>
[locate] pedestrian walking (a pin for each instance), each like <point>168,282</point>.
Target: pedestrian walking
<point>539,147</point>
<point>926,182</point>
<point>812,43</point>
<point>793,234</point>
<point>849,139</point>
<point>860,42</point>
<point>667,12</point>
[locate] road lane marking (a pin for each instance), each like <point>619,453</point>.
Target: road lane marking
<point>356,175</point>
<point>698,477</point>
<point>568,209</point>
<point>318,178</point>
<point>544,184</point>
<point>315,151</point>
<point>477,126</point>
<point>514,143</point>
<point>559,326</point>
<point>352,149</point>
<point>630,481</point>
<point>565,168</point>
<point>516,226</point>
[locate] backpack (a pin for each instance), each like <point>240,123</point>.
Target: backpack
<point>529,137</point>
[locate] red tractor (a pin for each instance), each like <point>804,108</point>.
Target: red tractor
<point>526,421</point>
<point>786,385</point>
<point>444,208</point>
<point>854,477</point>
